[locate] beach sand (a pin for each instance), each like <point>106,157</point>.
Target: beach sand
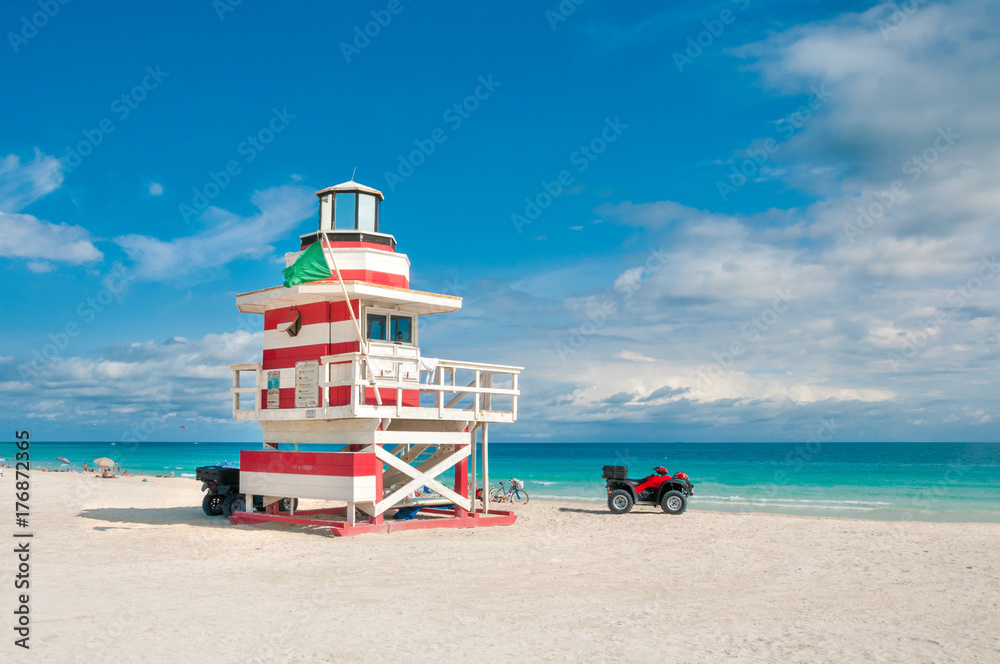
<point>126,571</point>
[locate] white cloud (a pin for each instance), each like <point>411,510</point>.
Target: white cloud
<point>228,237</point>
<point>169,381</point>
<point>23,184</point>
<point>26,236</point>
<point>40,267</point>
<point>634,357</point>
<point>155,189</point>
<point>896,325</point>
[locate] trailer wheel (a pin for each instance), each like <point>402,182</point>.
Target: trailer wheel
<point>673,502</point>
<point>234,502</point>
<point>620,501</point>
<point>211,504</point>
<point>287,504</point>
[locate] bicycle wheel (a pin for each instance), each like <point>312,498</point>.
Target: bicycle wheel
<point>495,495</point>
<point>519,496</point>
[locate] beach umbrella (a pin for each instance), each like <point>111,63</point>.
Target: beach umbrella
<point>104,461</point>
<point>63,459</point>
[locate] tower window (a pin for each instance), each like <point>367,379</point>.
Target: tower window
<point>393,326</point>
<point>400,330</point>
<point>346,211</point>
<point>376,326</point>
<point>366,213</point>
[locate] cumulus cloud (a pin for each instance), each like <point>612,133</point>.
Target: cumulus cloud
<point>26,236</point>
<point>877,306</point>
<point>228,237</point>
<point>159,382</point>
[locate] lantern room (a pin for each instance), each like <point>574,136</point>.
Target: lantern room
<point>349,207</point>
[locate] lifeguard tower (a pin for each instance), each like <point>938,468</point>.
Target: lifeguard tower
<point>351,412</point>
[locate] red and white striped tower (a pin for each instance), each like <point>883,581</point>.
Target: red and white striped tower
<point>342,369</point>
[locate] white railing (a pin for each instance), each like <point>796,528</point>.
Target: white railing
<point>451,390</point>
<point>237,389</point>
<point>487,385</point>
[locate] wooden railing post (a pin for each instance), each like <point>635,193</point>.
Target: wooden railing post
<point>476,395</point>
<point>235,390</point>
<point>513,398</point>
<point>488,398</point>
<point>325,384</point>
<point>439,394</point>
<point>355,398</point>
<point>399,389</point>
<point>256,393</point>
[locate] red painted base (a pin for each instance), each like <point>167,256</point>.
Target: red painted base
<point>444,518</point>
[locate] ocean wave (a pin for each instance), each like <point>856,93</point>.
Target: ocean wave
<point>575,499</point>
<point>803,506</point>
<point>795,500</point>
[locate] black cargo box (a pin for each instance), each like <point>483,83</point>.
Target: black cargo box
<point>615,472</point>
<point>218,475</point>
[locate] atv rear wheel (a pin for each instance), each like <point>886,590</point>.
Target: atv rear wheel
<point>673,502</point>
<point>620,501</point>
<point>211,504</point>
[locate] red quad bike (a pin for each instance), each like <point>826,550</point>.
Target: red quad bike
<point>669,492</point>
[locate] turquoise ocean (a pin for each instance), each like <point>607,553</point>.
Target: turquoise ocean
<point>895,481</point>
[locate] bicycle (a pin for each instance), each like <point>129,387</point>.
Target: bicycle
<point>516,493</point>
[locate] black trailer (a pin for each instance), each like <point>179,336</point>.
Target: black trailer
<point>224,496</point>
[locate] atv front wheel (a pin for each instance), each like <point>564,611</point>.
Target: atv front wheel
<point>620,501</point>
<point>673,502</point>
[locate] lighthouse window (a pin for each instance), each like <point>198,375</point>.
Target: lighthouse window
<point>346,213</point>
<point>399,331</point>
<point>366,213</point>
<point>376,326</point>
<point>326,213</point>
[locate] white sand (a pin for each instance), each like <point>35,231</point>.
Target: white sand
<point>126,571</point>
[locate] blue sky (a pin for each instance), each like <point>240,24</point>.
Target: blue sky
<point>748,220</point>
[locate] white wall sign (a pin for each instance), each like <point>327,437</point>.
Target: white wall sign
<point>307,384</point>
